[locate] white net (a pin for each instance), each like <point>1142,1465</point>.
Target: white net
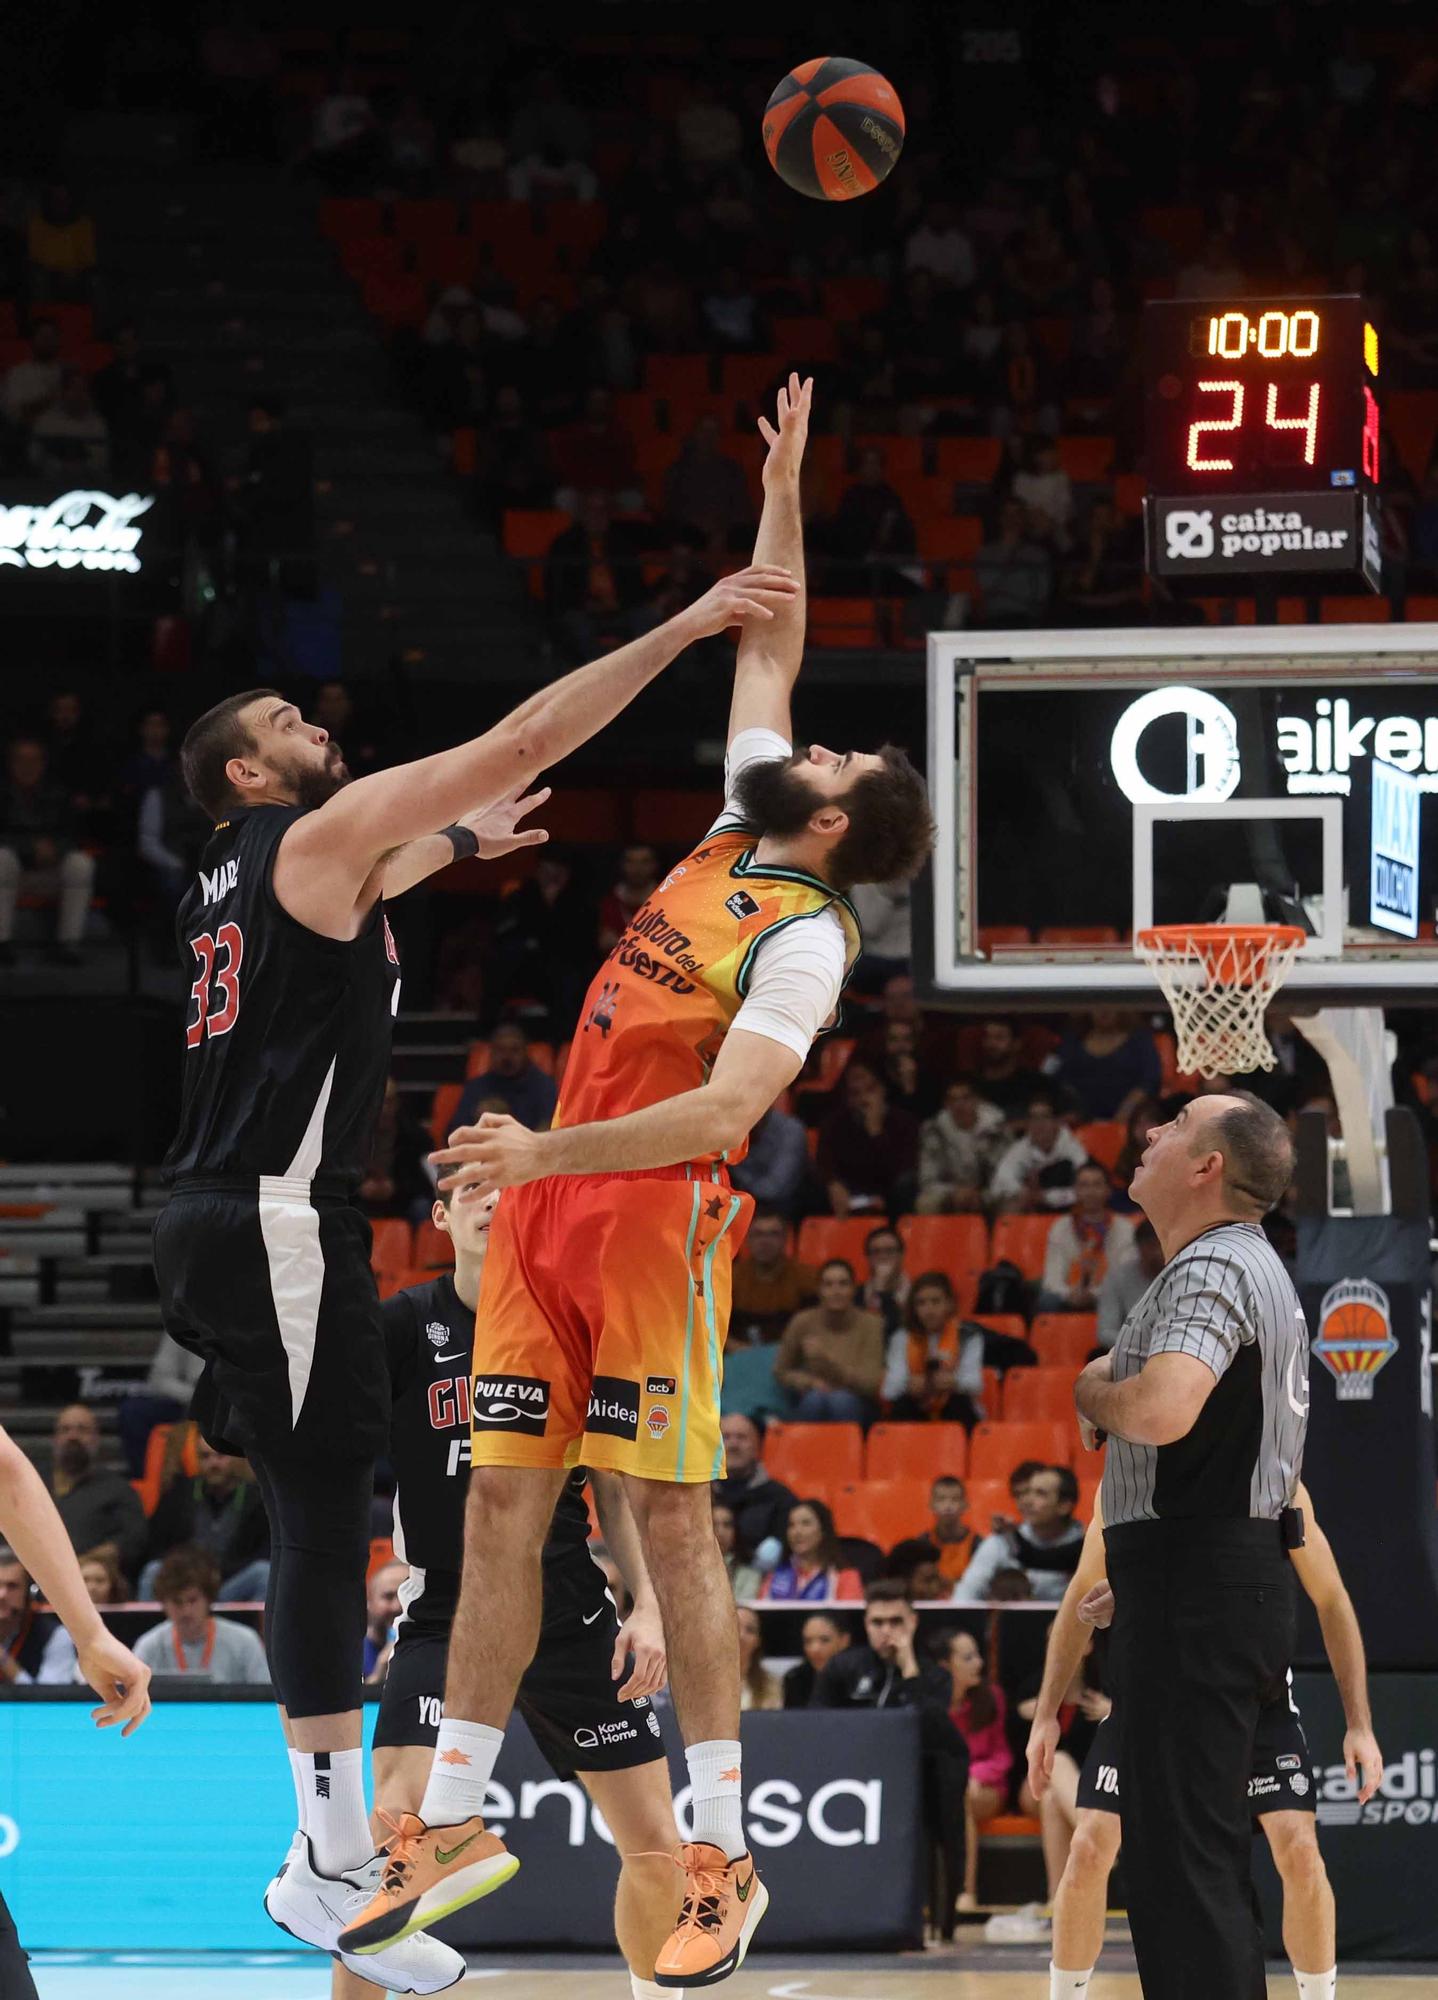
<point>1218,980</point>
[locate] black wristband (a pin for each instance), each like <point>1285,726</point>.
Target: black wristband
<point>463,840</point>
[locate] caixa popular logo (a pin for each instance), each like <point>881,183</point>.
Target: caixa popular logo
<point>1355,1336</point>
<point>1408,1793</point>
<point>1188,534</point>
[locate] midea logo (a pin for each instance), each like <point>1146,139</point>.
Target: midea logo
<point>1213,764</point>
<point>1317,754</point>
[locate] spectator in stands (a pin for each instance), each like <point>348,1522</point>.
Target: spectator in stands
<point>886,1289</point>
<point>1002,1077</point>
<point>398,1180</point>
<point>541,949</point>
<point>915,1562</point>
<point>707,127</point>
<point>831,1358</point>
<point>1214,274</point>
<point>382,1608</point>
<point>546,117</point>
<point>170,835</point>
<point>192,1641</point>
<point>274,504</point>
<point>957,1152</point>
<point>165,1398</point>
<point>939,246</point>
<point>1046,493</point>
<point>59,1664</point>
<point>707,491</point>
<point>1110,1064</point>
<point>920,336</point>
<point>1101,344</point>
<point>101,1510</point>
<point>1013,572</point>
<point>1105,577</point>
<point>884,910</point>
<point>934,1371</point>
<point>898,1002</point>
<point>811,1570</point>
<point>911,1087</point>
<point>39,854</point>
<point>513,467</point>
<point>685,576</point>
<point>637,881</point>
<point>1144,1116</point>
<point>411,147</point>
<point>729,310</point>
<point>70,439</point>
<point>32,386</point>
<point>119,386</point>
<point>1038,268</point>
<point>949,1530</point>
<point>871,534</point>
<point>758,1688</point>
<point>550,175</point>
<point>152,760</point>
<point>1037,1172</point>
<point>868,1154</point>
<point>219,1510</point>
<point>744,1578</point>
<point>346,147</point>
<point>770,1285</point>
<point>592,582</point>
<point>822,1637</point>
<point>77,762</point>
<point>60,246</point>
<point>24,1633</point>
<point>1083,1245</point>
<point>775,1170</point>
<point>759,1504</point>
<point>979,1711</point>
<point>523,1089</point>
<point>1126,1280</point>
<point>1045,1545</point>
<point>596,455</point>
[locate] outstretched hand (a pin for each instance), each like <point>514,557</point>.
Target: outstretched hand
<point>786,444</point>
<point>753,593</point>
<point>494,826</point>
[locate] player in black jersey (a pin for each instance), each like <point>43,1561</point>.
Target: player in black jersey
<point>589,1716</point>
<point>262,1254</point>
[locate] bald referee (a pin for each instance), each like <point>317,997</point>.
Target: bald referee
<point>1204,1400</point>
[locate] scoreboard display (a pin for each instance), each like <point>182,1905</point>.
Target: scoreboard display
<point>1262,435</point>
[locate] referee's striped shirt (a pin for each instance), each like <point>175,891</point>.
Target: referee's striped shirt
<point>1227,1299</point>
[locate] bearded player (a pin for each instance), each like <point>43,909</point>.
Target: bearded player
<point>606,1298</point>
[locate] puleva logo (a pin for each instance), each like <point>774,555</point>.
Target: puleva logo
<point>1355,1336</point>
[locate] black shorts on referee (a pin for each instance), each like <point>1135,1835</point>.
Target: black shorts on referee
<point>1281,1779</point>
<point>567,1696</point>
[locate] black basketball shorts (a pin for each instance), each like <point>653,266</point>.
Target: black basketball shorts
<point>1281,1779</point>
<point>567,1695</point>
<point>272,1288</point>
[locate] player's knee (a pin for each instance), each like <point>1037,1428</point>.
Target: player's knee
<point>675,1521</point>
<point>1297,1856</point>
<point>505,1500</point>
<point>1094,1848</point>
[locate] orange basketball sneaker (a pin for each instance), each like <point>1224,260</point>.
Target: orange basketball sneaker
<point>722,1907</point>
<point>431,1872</point>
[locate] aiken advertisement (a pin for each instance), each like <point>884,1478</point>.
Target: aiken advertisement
<point>1220,534</point>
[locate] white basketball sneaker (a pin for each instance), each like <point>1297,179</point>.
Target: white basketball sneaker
<point>315,1908</point>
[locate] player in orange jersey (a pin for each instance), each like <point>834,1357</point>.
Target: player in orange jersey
<point>606,1300</point>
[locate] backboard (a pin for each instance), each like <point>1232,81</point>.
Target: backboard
<point>1089,783</point>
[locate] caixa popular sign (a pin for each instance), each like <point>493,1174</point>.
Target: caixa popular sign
<point>1273,534</point>
<point>82,529</point>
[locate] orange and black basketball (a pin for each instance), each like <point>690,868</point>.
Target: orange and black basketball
<point>833,129</point>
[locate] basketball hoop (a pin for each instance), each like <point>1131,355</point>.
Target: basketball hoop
<point>1218,980</point>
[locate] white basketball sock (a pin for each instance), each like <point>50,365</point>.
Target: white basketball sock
<point>1068,1985</point>
<point>464,1759</point>
<point>297,1772</point>
<point>717,1795</point>
<point>335,1816</point>
<point>1317,1985</point>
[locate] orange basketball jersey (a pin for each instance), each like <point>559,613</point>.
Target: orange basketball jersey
<point>661,1004</point>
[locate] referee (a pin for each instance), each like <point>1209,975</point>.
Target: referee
<point>1204,1400</point>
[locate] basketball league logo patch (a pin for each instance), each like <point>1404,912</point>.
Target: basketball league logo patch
<point>1355,1336</point>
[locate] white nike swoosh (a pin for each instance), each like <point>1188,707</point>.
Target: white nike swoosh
<point>592,1616</point>
<point>458,1355</point>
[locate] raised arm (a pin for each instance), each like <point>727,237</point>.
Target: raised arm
<point>1069,1640</point>
<point>1318,1572</point>
<point>326,870</point>
<point>768,663</point>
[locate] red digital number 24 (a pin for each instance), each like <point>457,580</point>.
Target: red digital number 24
<point>211,1020</point>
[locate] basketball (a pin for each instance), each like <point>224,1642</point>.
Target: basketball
<point>834,129</point>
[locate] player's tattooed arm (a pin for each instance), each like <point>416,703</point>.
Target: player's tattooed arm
<point>489,833</point>
<point>769,661</point>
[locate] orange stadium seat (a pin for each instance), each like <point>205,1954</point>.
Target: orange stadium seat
<point>747,378</point>
<point>398,301</point>
<point>441,1111</point>
<point>852,298</point>
<point>824,1236</point>
<point>916,1451</point>
<point>381,1551</point>
<point>1043,1393</point>
<point>903,456</point>
<point>1064,1340</point>
<point>1013,1325</point>
<point>1128,491</point>
<point>986,1498</point>
<point>955,539</point>
<point>813,1458</point>
<point>1086,460</point>
<point>995,1449</point>
<point>839,622</point>
<point>392,1245</point>
<point>149,1484</point>
<point>995,934</point>
<point>433,1250</point>
<point>883,1511</point>
<point>973,461</point>
<point>425,220</point>
<point>1022,1240</point>
<point>1410,417</point>
<point>677,376</point>
<point>343,218</point>
<point>531,531</point>
<point>951,1243</point>
<point>1089,1484</point>
<point>806,339</point>
<point>672,818</point>
<point>1103,1140</point>
<point>1078,934</point>
<point>1355,611</point>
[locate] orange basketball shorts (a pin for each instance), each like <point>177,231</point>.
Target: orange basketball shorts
<point>602,1318</point>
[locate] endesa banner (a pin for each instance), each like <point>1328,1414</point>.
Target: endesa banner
<point>203,1793</point>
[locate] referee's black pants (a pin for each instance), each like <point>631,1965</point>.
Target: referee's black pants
<point>1202,1636</point>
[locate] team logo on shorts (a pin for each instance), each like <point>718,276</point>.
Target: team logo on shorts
<point>653,1721</point>
<point>511,1403</point>
<point>657,1422</point>
<point>660,1385</point>
<point>613,1407</point>
<point>436,1333</point>
<point>1299,1783</point>
<point>1289,1762</point>
<point>741,904</point>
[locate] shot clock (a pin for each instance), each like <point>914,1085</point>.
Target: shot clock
<point>1262,431</point>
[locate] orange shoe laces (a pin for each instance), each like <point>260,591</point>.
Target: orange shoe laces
<point>702,1909</point>
<point>403,1850</point>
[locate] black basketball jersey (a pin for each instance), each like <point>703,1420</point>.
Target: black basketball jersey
<point>287,1034</point>
<point>429,1332</point>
